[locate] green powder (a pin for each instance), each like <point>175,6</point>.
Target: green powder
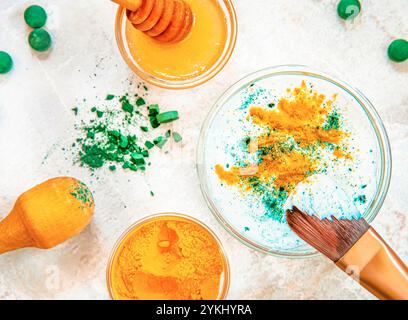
<point>83,194</point>
<point>254,94</point>
<point>332,121</point>
<point>272,198</point>
<point>119,135</point>
<point>360,199</point>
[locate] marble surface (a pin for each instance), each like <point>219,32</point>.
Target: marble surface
<point>36,122</point>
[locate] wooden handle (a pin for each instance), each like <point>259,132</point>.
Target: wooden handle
<point>47,215</point>
<point>13,233</point>
<point>377,267</point>
<point>132,5</point>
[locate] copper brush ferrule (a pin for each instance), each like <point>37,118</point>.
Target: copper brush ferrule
<point>357,249</point>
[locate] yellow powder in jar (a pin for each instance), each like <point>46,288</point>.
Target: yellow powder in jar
<point>168,258</point>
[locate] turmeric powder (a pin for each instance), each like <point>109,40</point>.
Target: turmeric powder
<point>169,258</point>
<point>297,134</point>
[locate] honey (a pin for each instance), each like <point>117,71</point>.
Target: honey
<point>187,59</point>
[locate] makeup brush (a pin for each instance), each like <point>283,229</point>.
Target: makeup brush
<point>354,246</point>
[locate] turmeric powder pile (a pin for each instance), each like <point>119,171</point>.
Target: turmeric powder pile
<point>168,258</point>
<point>296,137</point>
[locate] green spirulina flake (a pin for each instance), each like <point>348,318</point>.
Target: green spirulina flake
<point>140,102</point>
<point>153,122</point>
<point>160,141</point>
<point>123,141</point>
<point>177,137</point>
<point>126,105</point>
<point>111,137</point>
<point>149,145</point>
<point>154,110</point>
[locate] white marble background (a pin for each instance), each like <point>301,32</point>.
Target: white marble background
<point>35,121</point>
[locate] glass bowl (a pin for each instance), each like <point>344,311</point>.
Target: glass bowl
<point>214,129</point>
<point>231,20</point>
<point>225,281</point>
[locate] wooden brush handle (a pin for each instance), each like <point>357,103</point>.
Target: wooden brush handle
<point>13,233</point>
<point>132,5</point>
<point>377,267</point>
<point>47,215</point>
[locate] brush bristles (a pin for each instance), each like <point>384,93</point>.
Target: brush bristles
<point>333,238</point>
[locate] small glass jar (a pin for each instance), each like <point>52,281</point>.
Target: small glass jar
<point>231,21</point>
<point>225,278</point>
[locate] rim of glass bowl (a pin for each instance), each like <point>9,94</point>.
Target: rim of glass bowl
<point>373,116</point>
<point>227,277</point>
<point>231,17</point>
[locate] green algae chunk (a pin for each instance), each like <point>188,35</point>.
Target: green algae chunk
<point>140,102</point>
<point>177,137</point>
<point>111,137</point>
<point>160,141</point>
<point>154,110</point>
<point>153,122</point>
<point>168,116</point>
<point>149,145</point>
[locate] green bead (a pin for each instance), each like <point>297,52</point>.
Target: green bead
<point>35,16</point>
<point>348,9</point>
<point>6,62</point>
<point>39,40</point>
<point>398,50</point>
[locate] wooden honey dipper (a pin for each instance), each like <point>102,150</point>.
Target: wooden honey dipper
<point>47,215</point>
<point>163,20</point>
